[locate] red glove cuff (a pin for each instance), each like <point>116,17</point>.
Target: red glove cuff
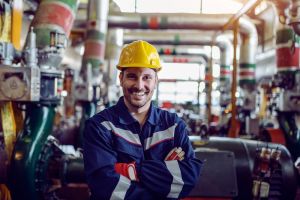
<point>127,169</point>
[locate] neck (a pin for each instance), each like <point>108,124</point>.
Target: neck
<point>140,114</point>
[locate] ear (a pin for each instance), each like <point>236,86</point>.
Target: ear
<point>121,78</point>
<point>156,81</point>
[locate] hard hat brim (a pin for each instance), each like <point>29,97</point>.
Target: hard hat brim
<point>138,66</point>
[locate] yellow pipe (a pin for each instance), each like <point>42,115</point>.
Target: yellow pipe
<point>233,132</point>
<point>210,81</point>
<point>5,24</point>
<point>16,29</point>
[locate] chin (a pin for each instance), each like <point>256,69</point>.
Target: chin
<point>138,105</point>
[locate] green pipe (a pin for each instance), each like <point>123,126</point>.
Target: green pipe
<point>88,110</point>
<point>37,127</point>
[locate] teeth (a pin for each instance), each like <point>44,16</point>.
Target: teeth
<point>138,93</point>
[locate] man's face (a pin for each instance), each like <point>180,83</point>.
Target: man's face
<point>138,85</point>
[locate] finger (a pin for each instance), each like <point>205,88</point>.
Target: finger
<point>172,154</point>
<point>181,154</point>
<point>178,151</point>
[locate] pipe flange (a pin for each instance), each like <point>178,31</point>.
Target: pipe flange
<point>45,168</point>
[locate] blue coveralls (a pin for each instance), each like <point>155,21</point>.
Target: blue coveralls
<point>113,135</point>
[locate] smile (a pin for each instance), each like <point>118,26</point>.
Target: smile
<point>138,93</point>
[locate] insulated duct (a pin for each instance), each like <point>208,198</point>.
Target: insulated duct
<point>199,38</point>
<point>197,22</point>
<point>95,41</point>
<point>247,53</point>
<point>226,49</point>
<point>114,44</point>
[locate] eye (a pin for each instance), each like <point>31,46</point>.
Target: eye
<point>147,77</point>
<point>131,76</point>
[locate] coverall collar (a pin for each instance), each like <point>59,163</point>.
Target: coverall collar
<point>126,118</point>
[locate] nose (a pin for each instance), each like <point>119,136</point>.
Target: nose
<point>139,83</point>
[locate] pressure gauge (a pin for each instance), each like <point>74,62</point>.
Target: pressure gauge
<point>13,85</point>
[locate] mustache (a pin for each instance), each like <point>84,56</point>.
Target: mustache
<point>134,89</point>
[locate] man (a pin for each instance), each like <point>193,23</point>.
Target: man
<point>134,150</point>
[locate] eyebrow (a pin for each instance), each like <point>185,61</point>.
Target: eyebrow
<point>132,73</point>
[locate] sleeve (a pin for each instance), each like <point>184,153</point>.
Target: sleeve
<point>99,160</point>
<point>172,179</point>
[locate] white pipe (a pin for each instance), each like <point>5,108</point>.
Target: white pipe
<point>161,37</point>
<point>190,21</point>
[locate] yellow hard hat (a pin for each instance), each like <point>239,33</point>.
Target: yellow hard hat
<point>139,54</point>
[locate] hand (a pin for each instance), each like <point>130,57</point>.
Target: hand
<point>127,169</point>
<point>175,154</point>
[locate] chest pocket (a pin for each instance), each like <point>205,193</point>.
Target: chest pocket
<point>127,152</point>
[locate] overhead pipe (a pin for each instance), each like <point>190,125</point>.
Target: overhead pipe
<point>184,40</point>
<point>198,22</point>
<point>168,21</point>
<point>170,37</point>
<point>181,21</point>
<point>197,59</point>
<point>189,38</point>
<point>248,6</point>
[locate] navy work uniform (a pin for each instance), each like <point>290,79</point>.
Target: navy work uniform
<point>113,135</point>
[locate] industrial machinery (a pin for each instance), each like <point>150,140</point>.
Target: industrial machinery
<point>286,80</point>
<point>34,165</point>
<point>32,81</point>
<point>250,170</point>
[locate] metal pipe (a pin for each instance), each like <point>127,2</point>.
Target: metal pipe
<point>247,54</point>
<point>170,37</point>
<point>248,6</point>
<point>186,41</point>
<point>198,59</point>
<point>226,48</point>
<point>209,81</point>
<point>95,42</point>
<point>88,110</point>
<point>72,170</point>
<point>114,43</point>
<point>233,132</point>
<point>178,21</point>
<point>167,21</point>
<point>197,22</point>
<point>28,147</point>
<point>45,21</point>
